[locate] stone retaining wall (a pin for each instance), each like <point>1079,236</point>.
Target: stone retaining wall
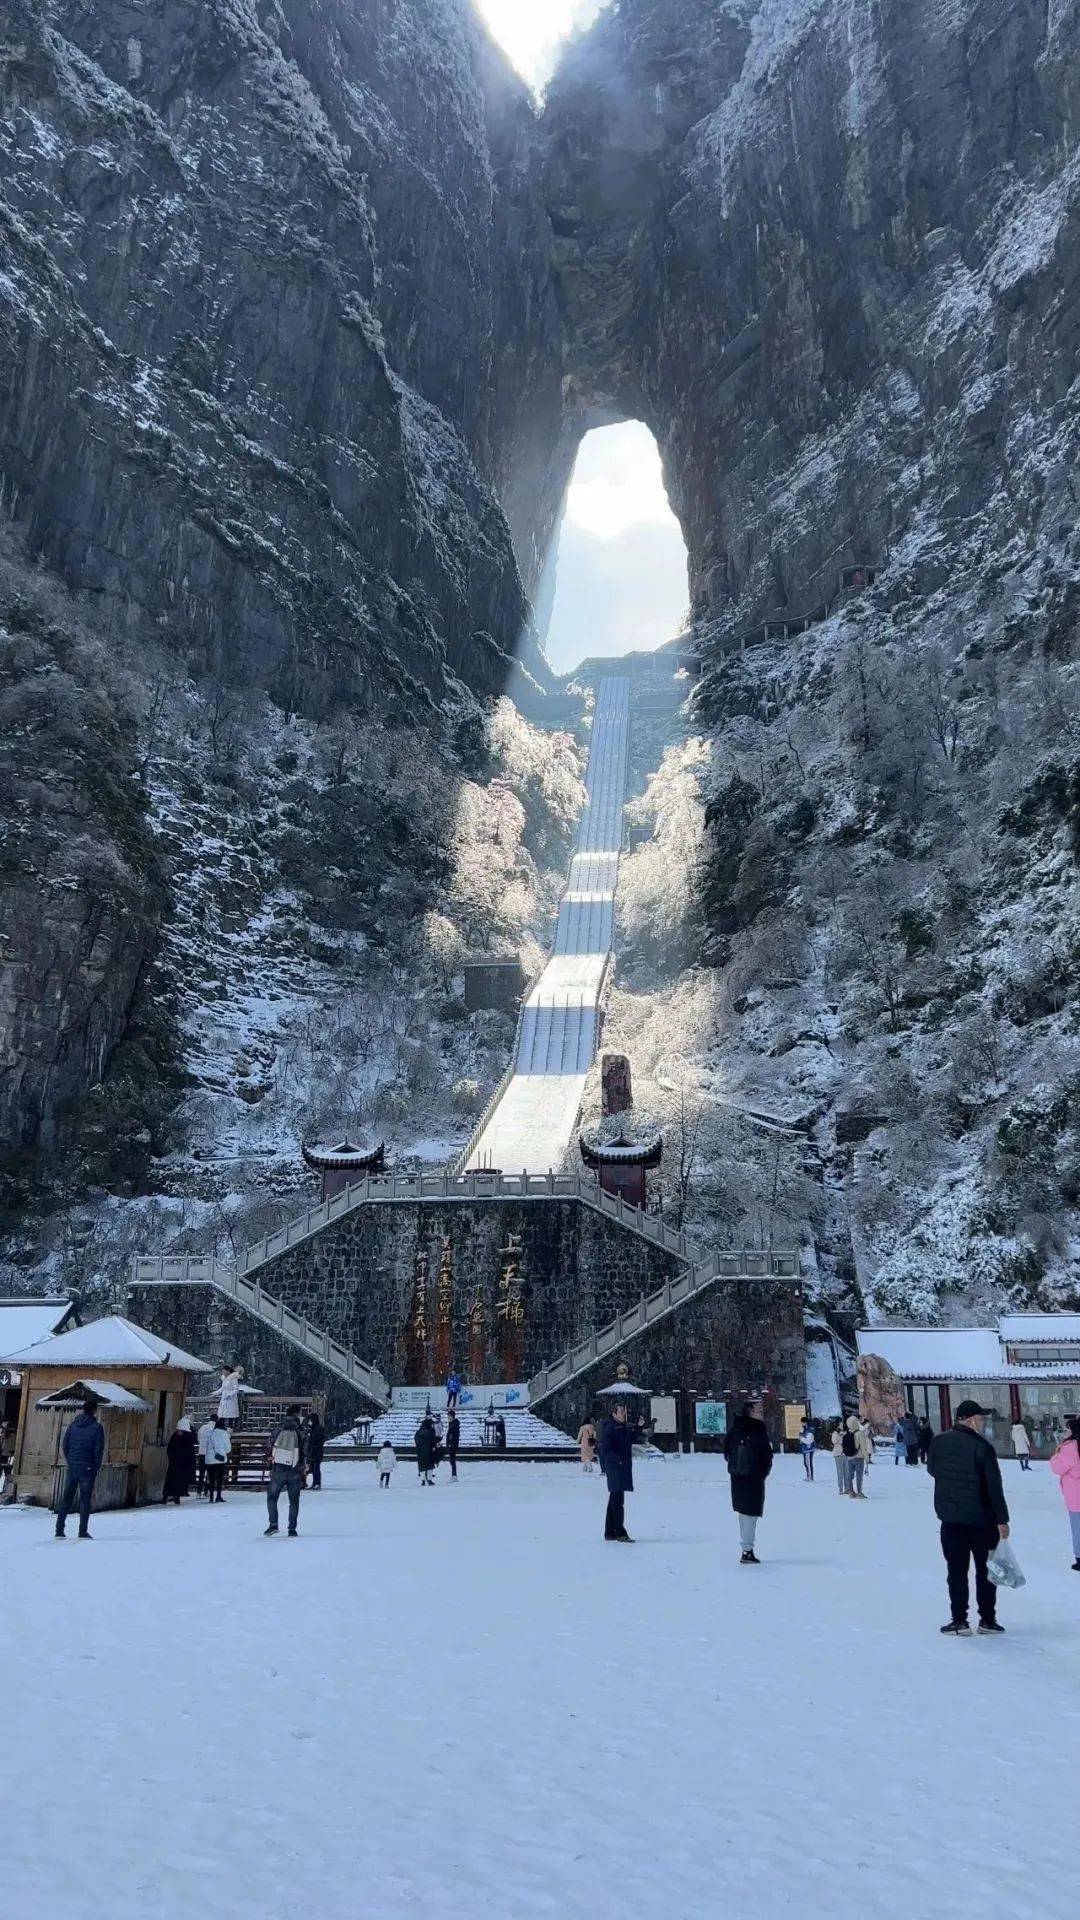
<point>356,1279</point>
<point>743,1336</point>
<point>218,1329</point>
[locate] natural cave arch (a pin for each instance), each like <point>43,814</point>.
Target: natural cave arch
<point>615,579</point>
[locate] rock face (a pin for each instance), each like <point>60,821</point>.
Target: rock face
<point>260,262</point>
<point>83,887</point>
<point>881,1393</point>
<point>273,309</point>
<point>825,251</point>
<point>829,253</point>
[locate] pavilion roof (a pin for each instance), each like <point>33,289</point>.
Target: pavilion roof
<point>621,1149</point>
<point>345,1156</point>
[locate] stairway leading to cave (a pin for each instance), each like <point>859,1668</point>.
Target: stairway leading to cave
<point>526,1434</point>
<point>531,1126</point>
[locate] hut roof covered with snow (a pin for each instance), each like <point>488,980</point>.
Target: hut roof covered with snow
<point>25,1322</point>
<point>109,1342</point>
<point>1046,1347</point>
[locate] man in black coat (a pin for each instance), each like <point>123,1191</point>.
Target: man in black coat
<point>969,1501</point>
<point>749,1462</point>
<point>424,1441</point>
<point>453,1441</point>
<point>83,1448</point>
<point>615,1446</point>
<point>314,1447</point>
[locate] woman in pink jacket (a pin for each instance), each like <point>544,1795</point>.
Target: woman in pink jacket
<point>1066,1464</point>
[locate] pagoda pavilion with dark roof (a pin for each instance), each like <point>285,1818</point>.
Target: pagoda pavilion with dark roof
<point>340,1166</point>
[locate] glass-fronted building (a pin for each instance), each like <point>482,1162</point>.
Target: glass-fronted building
<point>1026,1368</point>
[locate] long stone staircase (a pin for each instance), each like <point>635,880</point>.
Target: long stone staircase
<point>529,1123</point>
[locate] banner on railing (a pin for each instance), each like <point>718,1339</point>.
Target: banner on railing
<point>476,1398</point>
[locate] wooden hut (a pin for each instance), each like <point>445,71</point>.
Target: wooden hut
<point>141,1382</point>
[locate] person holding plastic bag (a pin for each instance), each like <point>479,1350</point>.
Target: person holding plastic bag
<point>969,1501</point>
<point>1066,1464</point>
<point>1003,1568</point>
<point>807,1443</point>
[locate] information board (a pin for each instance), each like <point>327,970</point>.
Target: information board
<point>663,1413</point>
<point>710,1417</point>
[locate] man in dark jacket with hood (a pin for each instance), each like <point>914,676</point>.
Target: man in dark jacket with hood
<point>969,1501</point>
<point>83,1448</point>
<point>615,1446</point>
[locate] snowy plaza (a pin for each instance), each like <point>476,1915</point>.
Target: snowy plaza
<point>460,1701</point>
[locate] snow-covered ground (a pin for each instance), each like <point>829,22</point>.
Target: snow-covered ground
<point>459,1702</point>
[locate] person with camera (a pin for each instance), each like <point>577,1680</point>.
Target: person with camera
<point>615,1446</point>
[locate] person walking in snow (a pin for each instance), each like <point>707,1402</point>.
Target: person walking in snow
<point>1021,1440</point>
<point>286,1456</point>
<point>83,1448</point>
<point>854,1458</point>
<point>866,1446</point>
<point>1066,1464</point>
<point>453,1441</point>
<point>218,1449</point>
<point>228,1406</point>
<point>969,1501</point>
<point>453,1388</point>
<point>616,1448</point>
<point>587,1442</point>
<point>180,1472</point>
<point>926,1437</point>
<point>837,1446</point>
<point>314,1447</point>
<point>899,1449</point>
<point>386,1461</point>
<point>911,1439</point>
<point>807,1443</point>
<point>749,1464</point>
<point>424,1442</point>
<point>202,1437</point>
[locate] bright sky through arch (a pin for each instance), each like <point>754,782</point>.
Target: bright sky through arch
<point>620,582</point>
<point>531,31</point>
<point>621,565</point>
